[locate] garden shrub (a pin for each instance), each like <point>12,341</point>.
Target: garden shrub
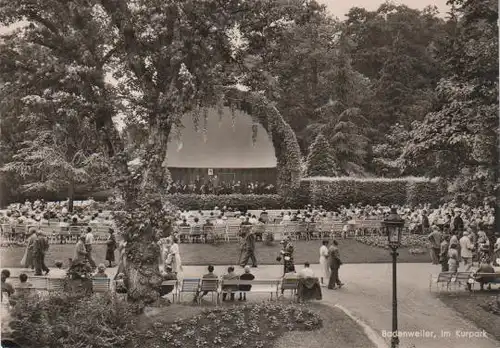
<point>63,320</point>
<point>68,320</point>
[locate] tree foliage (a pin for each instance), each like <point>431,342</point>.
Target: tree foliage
<point>459,140</point>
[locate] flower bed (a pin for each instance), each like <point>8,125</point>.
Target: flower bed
<point>416,243</point>
<point>492,305</point>
<point>68,319</point>
<point>252,325</point>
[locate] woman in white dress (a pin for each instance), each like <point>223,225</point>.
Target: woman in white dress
<point>165,244</point>
<point>323,261</point>
<point>175,256</point>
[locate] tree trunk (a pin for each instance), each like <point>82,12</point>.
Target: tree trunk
<point>71,195</point>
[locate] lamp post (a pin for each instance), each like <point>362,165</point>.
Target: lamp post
<point>394,226</point>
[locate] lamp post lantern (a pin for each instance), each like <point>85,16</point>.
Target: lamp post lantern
<point>394,227</point>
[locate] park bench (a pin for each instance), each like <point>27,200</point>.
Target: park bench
<point>55,284</point>
<point>492,278</point>
<point>175,290</point>
<point>269,286</point>
<point>100,285</point>
<point>211,286</point>
<point>443,279</point>
<point>290,284</point>
<point>188,285</point>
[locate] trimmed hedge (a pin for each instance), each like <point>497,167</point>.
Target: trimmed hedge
<point>333,192</point>
<point>203,202</point>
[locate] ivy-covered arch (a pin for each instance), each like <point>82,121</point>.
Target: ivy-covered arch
<point>286,146</point>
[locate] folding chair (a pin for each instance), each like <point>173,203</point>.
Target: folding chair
<point>189,285</point>
<point>212,286</point>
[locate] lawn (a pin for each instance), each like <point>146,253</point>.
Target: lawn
<point>470,306</point>
<point>351,251</point>
<point>338,331</point>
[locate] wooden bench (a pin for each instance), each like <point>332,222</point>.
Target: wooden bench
<point>188,285</point>
<point>290,284</point>
<point>269,286</point>
<point>492,278</point>
<point>443,278</point>
<point>100,285</point>
<point>175,290</point>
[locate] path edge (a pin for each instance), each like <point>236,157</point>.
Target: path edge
<point>372,335</point>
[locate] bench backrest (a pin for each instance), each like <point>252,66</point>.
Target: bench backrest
<point>190,284</point>
<point>209,284</point>
<point>462,276</point>
<point>55,284</point>
<point>290,283</point>
<point>100,284</point>
<point>444,277</point>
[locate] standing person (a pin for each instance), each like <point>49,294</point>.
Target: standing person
<point>323,261</point>
<point>458,222</point>
<point>424,222</point>
<point>286,253</point>
<point>435,239</point>
<point>453,258</point>
<point>89,240</point>
<point>111,247</point>
<point>176,256</point>
<point>483,244</point>
<point>27,261</point>
<point>39,251</point>
<point>335,264</point>
<point>80,254</point>
<point>443,255</point>
<point>466,248</point>
<point>248,245</point>
<point>496,252</point>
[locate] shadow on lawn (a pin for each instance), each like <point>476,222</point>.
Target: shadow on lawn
<point>478,307</point>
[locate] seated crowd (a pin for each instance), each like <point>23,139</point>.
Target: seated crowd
<point>222,188</point>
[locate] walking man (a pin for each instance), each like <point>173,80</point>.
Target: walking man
<point>41,247</point>
<point>334,266</point>
<point>89,240</point>
<point>435,239</point>
<point>248,245</point>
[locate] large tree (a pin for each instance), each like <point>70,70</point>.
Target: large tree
<point>167,59</point>
<point>459,139</point>
<point>396,48</point>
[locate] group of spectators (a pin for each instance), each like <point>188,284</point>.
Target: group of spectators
<point>40,212</point>
<point>222,188</point>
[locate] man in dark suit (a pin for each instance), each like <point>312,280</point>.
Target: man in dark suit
<point>335,263</point>
<point>248,246</point>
